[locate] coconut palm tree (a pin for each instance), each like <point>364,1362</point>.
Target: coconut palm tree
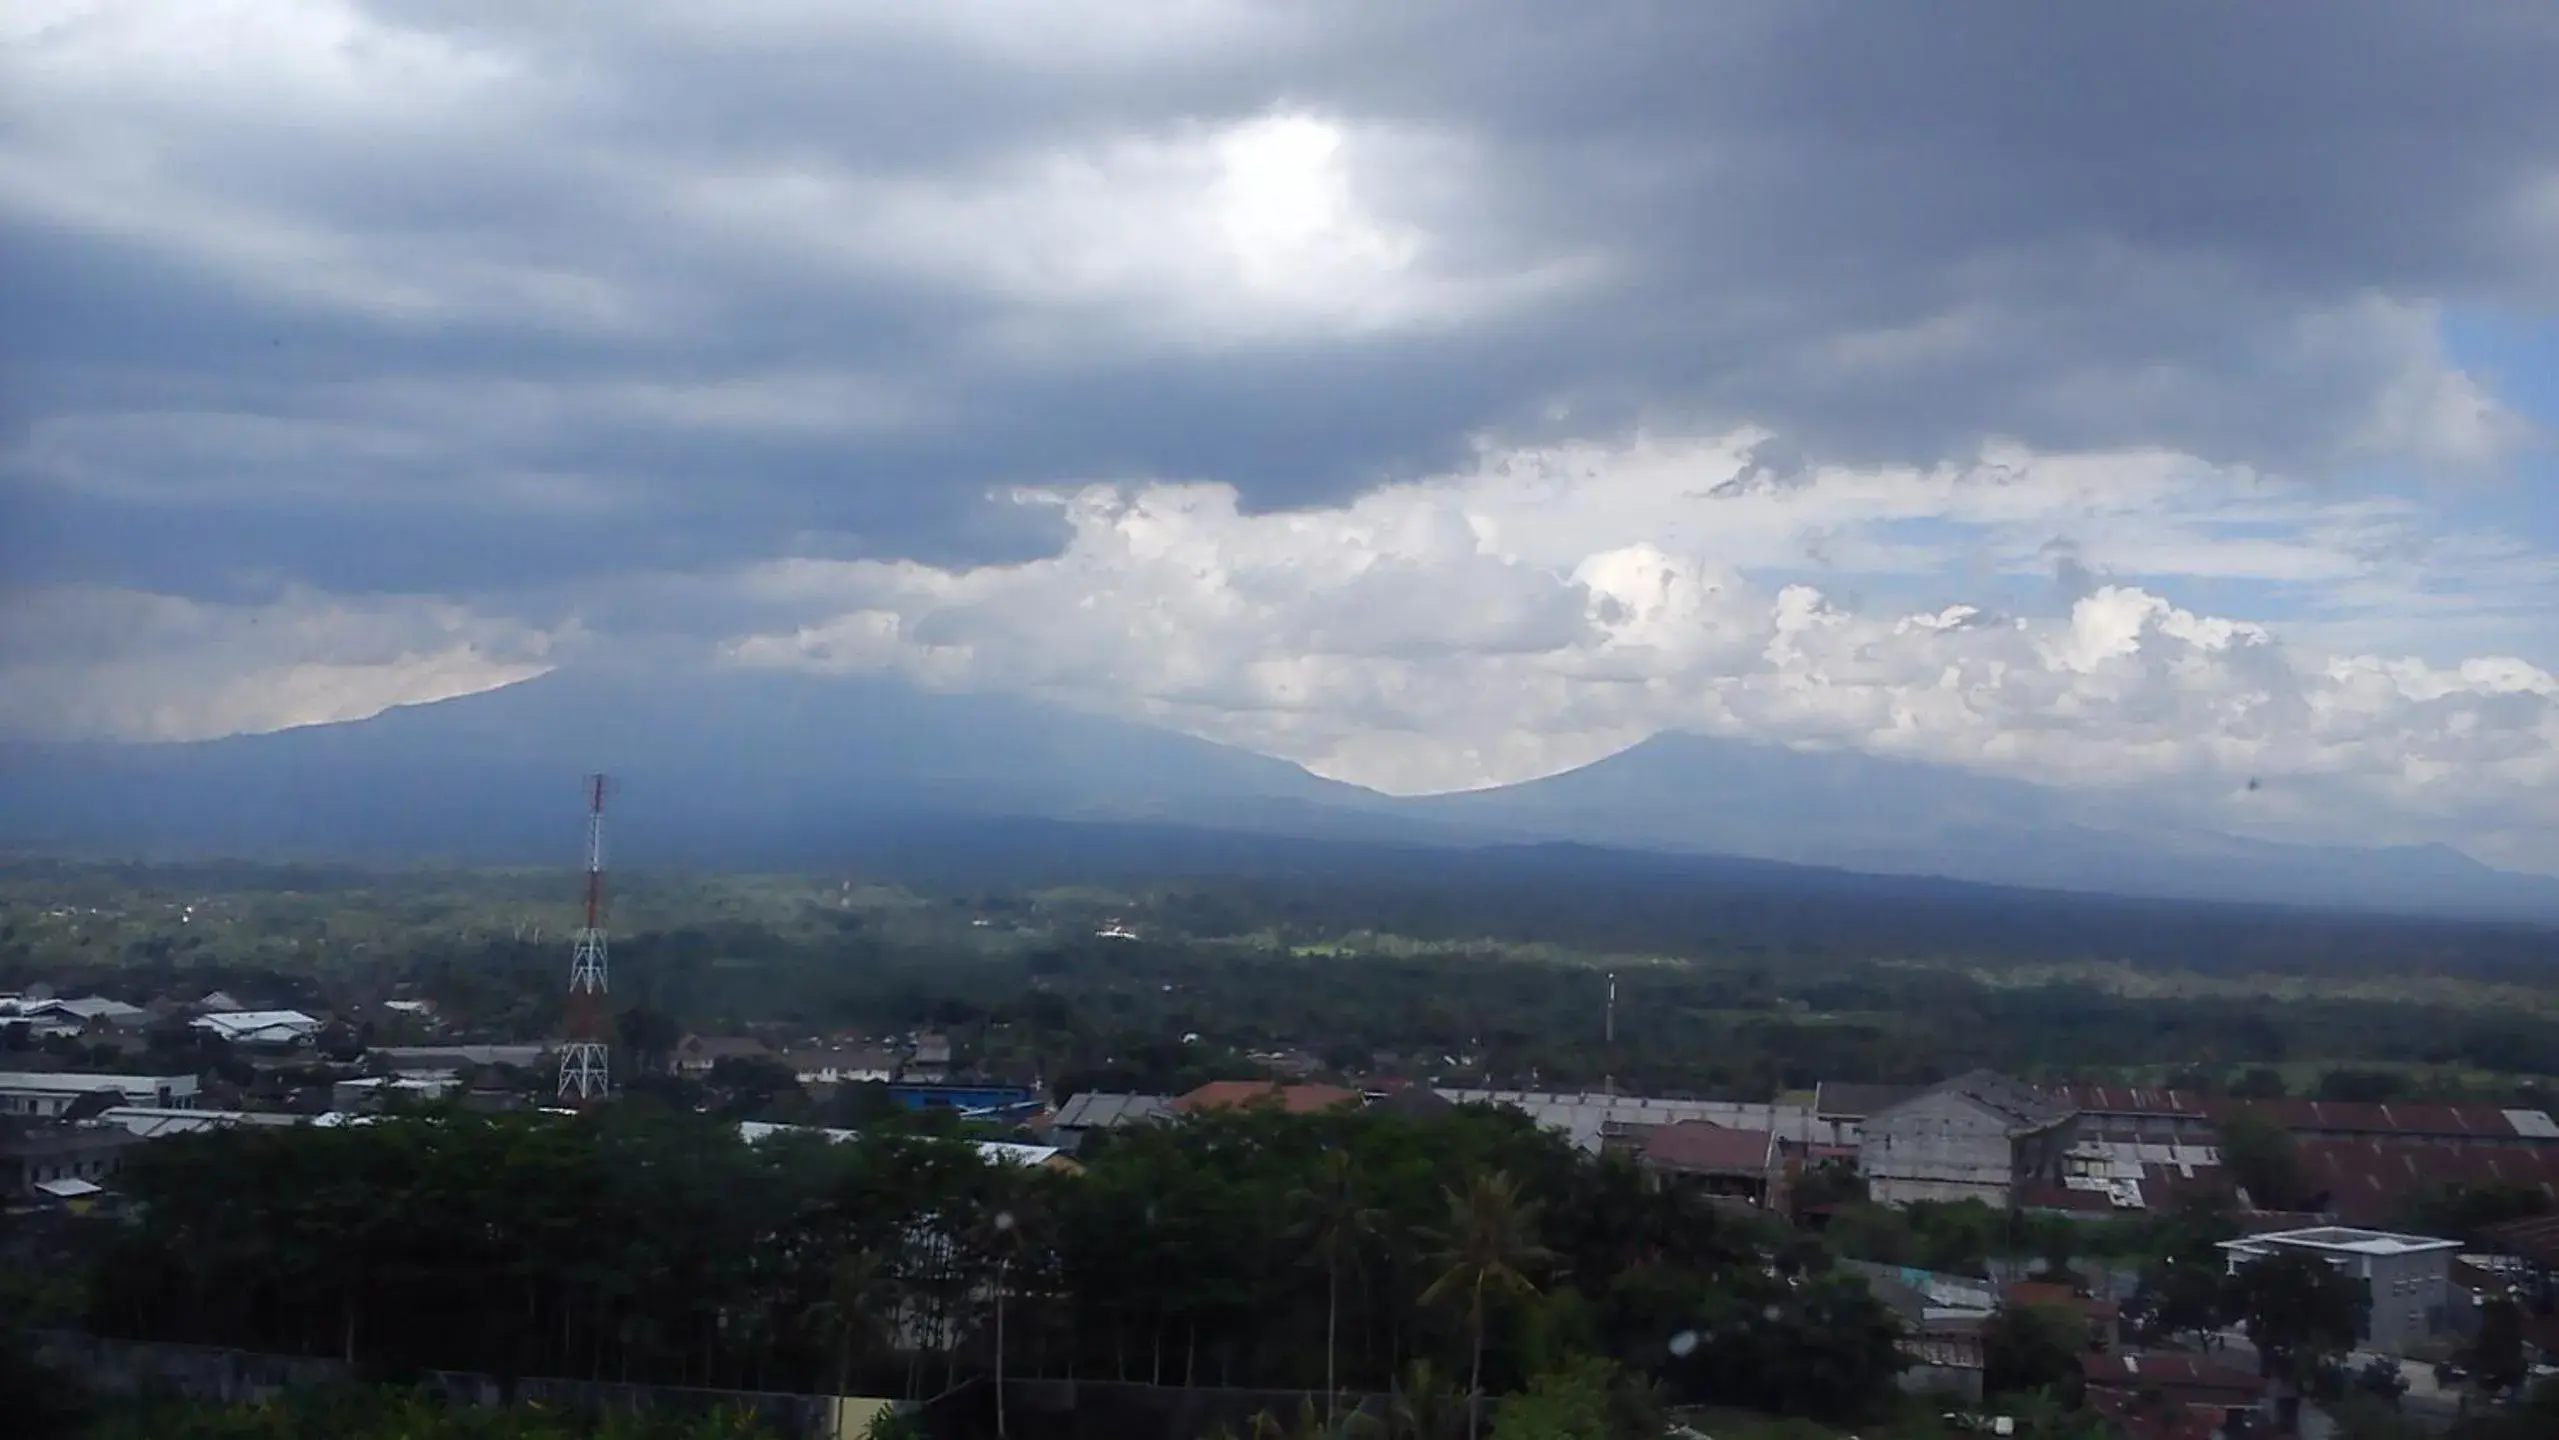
<point>1335,1224</point>
<point>1488,1250</point>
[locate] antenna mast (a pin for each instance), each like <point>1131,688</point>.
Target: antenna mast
<point>584,1075</point>
<point>1608,1042</point>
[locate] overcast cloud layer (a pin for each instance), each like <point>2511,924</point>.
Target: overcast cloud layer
<point>1438,394</point>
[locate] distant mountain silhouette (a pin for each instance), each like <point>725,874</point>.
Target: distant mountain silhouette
<point>747,769</point>
<point>730,767</point>
<point>1692,793</point>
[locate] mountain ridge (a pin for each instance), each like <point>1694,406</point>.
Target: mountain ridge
<point>737,768</point>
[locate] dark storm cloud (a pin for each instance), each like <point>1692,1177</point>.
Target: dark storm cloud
<point>1883,230</point>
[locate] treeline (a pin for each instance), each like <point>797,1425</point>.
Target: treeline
<point>1467,1253</point>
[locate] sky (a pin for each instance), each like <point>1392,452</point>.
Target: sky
<point>2151,400</point>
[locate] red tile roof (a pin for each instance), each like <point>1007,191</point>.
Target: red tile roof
<point>2368,1181</point>
<point>1295,1099</point>
<point>1700,1147</point>
<point>2325,1117</point>
<point>2536,1238</point>
<point>2168,1371</point>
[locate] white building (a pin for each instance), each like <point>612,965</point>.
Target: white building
<point>45,1094</point>
<point>259,1027</point>
<point>2410,1276</point>
<point>71,1017</point>
<point>1591,1122</point>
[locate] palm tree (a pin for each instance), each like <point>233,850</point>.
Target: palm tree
<point>1336,1225</point>
<point>1488,1249</point>
<point>1422,1406</point>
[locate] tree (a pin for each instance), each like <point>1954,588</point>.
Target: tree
<point>2380,1378</point>
<point>2369,1087</point>
<point>1488,1250</point>
<point>1422,1406</point>
<point>1335,1223</point>
<point>2029,1347</point>
<point>1570,1404</point>
<point>2500,1358</point>
<point>649,1037</point>
<point>2180,1295</point>
<point>2262,1157</point>
<point>2299,1311</point>
<point>2259,1083</point>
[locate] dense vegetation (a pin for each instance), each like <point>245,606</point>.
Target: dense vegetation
<point>1245,1249</point>
<point>1449,975</point>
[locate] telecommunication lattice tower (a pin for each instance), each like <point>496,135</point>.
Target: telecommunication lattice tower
<point>585,1070</point>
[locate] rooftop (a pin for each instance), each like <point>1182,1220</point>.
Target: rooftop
<point>2307,1116</point>
<point>1856,1102</point>
<point>1099,1110</point>
<point>2343,1240</point>
<point>1700,1147</point>
<point>2014,1101</point>
<point>1295,1099</point>
<point>76,1083</point>
<point>2368,1179</point>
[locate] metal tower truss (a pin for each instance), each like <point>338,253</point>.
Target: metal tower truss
<point>585,1065</point>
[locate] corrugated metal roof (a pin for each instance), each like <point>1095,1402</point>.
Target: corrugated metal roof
<point>1705,1148</point>
<point>2369,1179</point>
<point>1856,1102</point>
<point>1591,1119</point>
<point>1100,1110</point>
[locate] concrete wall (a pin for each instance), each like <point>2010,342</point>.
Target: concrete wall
<point>2409,1297</point>
<point>205,1372</point>
<point>1937,1147</point>
<point>202,1372</point>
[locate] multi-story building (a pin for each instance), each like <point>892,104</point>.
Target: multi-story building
<point>1979,1136</point>
<point>2410,1276</point>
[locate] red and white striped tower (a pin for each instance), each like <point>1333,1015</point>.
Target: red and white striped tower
<point>584,1074</point>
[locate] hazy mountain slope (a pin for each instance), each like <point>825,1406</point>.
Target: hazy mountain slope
<point>1859,812</point>
<point>722,768</point>
<point>735,769</point>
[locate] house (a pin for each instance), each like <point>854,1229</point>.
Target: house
<point>47,1094</point>
<point>696,1054</point>
<point>1096,1110</point>
<point>425,1059</point>
<point>1294,1099</point>
<point>930,1061</point>
<point>1841,1109</point>
<point>854,1066</point>
<point>2410,1277</point>
<point>35,1155</point>
<point>217,1002</point>
<point>1605,1122</point>
<point>1979,1136</point>
<point>1727,1164</point>
<point>267,1028</point>
<point>1945,1355</point>
<point>375,1092</point>
<point>993,1152</point>
<point>89,1014</point>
